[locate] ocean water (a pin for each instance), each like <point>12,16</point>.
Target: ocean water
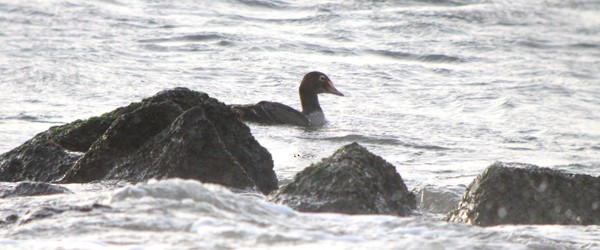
<point>440,89</point>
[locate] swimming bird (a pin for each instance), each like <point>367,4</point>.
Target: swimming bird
<point>266,112</point>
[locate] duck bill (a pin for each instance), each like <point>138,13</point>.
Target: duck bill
<point>331,89</point>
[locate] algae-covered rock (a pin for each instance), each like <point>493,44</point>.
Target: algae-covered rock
<point>38,160</point>
<point>517,193</point>
<point>189,148</point>
<point>122,140</point>
<point>175,133</point>
<point>352,181</point>
<point>50,154</point>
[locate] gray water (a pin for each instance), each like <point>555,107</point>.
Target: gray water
<point>440,89</point>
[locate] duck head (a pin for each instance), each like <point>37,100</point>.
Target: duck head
<point>316,83</point>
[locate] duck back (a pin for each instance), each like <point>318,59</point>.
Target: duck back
<point>271,113</point>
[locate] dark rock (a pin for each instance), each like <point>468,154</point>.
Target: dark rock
<point>39,159</point>
<point>122,139</point>
<point>79,136</point>
<point>48,155</point>
<point>236,136</point>
<point>35,188</point>
<point>176,133</point>
<point>40,213</point>
<point>193,145</point>
<point>517,193</point>
<point>48,211</point>
<point>238,140</point>
<point>9,219</point>
<point>352,181</point>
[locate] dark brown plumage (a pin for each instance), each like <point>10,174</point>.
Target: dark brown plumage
<point>266,112</point>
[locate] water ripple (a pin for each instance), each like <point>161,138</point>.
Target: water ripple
<point>264,4</point>
<point>434,58</point>
<point>192,38</point>
<point>383,141</point>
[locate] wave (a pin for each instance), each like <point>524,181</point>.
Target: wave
<point>181,190</point>
<point>383,141</point>
<point>282,19</point>
<point>263,4</point>
<point>200,201</point>
<point>187,43</point>
<point>437,58</point>
<point>193,38</point>
<point>547,44</point>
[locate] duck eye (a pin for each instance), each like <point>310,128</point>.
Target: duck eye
<point>322,78</point>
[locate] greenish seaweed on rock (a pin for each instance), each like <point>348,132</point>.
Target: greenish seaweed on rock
<point>351,181</point>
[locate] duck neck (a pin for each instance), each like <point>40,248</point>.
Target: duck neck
<point>309,101</point>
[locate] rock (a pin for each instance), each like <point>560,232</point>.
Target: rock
<point>121,140</point>
<point>351,181</point>
<point>192,145</point>
<point>236,136</point>
<point>175,133</point>
<point>10,219</point>
<point>39,159</point>
<point>50,154</point>
<point>49,211</point>
<point>517,193</point>
<point>35,188</point>
<point>41,213</point>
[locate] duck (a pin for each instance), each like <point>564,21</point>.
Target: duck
<point>267,112</point>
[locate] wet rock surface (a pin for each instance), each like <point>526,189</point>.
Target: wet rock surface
<point>48,155</point>
<point>517,193</point>
<point>33,189</point>
<point>175,133</point>
<point>351,181</point>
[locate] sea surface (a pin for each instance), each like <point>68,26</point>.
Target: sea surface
<point>440,89</point>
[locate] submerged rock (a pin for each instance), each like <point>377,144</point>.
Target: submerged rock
<point>351,181</point>
<point>10,219</point>
<point>175,133</point>
<point>49,211</point>
<point>517,193</point>
<point>35,188</point>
